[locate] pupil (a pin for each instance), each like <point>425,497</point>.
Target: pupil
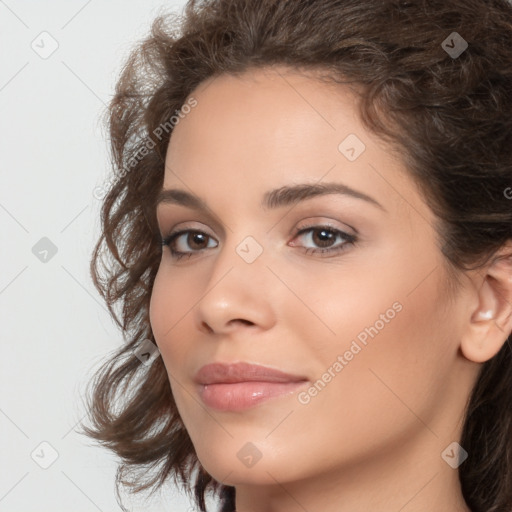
<point>196,236</point>
<point>325,233</point>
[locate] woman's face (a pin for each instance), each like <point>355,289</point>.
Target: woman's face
<point>345,290</point>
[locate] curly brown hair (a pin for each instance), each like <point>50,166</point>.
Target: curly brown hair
<point>450,118</point>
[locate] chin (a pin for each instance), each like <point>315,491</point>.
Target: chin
<point>239,466</point>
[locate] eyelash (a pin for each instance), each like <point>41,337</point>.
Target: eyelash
<point>349,240</point>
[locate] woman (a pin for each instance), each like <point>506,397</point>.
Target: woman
<point>312,221</point>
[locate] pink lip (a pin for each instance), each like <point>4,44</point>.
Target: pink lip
<point>231,387</point>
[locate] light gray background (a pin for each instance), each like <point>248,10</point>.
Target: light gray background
<point>55,328</point>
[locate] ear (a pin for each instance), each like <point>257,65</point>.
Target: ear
<point>491,321</point>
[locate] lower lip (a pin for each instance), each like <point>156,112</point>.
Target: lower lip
<point>238,396</point>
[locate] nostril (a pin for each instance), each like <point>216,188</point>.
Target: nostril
<point>245,322</point>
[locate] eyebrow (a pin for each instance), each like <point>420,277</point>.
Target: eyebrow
<point>272,199</point>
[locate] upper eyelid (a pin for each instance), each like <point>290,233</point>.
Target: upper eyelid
<point>297,231</point>
<point>186,229</point>
<point>319,223</point>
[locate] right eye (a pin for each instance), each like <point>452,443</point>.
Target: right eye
<point>177,242</point>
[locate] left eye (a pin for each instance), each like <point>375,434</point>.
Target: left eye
<point>322,236</point>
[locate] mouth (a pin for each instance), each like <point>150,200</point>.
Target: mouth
<point>240,386</point>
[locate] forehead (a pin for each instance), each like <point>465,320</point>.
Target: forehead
<point>277,107</point>
<point>269,127</point>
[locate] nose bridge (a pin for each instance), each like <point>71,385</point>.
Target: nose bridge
<point>239,284</point>
<point>241,261</point>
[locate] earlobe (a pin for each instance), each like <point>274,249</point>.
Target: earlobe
<point>485,315</point>
<point>491,322</point>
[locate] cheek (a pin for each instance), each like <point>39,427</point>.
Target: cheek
<point>171,299</point>
<point>389,300</point>
<point>394,332</point>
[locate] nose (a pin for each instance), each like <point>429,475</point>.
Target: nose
<point>237,295</point>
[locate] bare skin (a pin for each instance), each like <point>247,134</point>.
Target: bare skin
<point>372,437</point>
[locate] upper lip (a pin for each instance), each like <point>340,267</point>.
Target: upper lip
<point>216,373</point>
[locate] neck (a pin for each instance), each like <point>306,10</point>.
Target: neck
<point>408,478</point>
